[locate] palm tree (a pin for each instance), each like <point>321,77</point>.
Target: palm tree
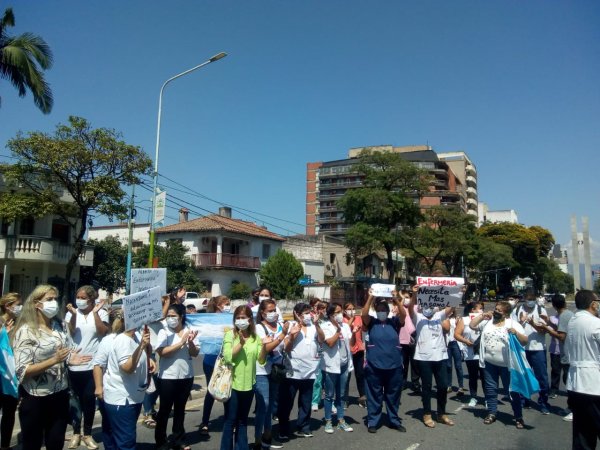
<point>22,60</point>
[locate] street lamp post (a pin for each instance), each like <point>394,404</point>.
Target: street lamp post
<point>155,181</point>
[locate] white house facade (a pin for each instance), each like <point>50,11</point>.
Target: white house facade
<point>223,250</point>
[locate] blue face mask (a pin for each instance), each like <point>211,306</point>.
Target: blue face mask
<point>427,312</point>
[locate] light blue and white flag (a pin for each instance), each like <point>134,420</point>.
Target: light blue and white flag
<point>8,373</point>
<point>522,378</point>
<point>211,329</point>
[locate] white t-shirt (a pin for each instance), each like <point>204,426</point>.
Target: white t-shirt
<point>304,356</point>
<point>470,334</point>
<point>563,327</point>
<point>103,352</point>
<point>121,388</point>
<point>177,365</point>
<point>582,346</point>
<point>85,337</point>
<point>431,345</point>
<point>494,342</point>
<point>333,357</point>
<point>536,341</point>
<point>275,356</point>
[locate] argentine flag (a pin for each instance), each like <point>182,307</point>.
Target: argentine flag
<point>522,378</point>
<point>211,328</point>
<point>7,366</point>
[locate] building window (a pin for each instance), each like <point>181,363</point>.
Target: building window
<point>331,258</point>
<point>27,225</point>
<point>60,231</point>
<point>266,251</point>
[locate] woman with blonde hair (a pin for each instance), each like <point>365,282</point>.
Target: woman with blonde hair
<point>219,304</point>
<point>43,350</point>
<point>10,309</point>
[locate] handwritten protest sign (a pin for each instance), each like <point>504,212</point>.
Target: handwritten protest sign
<point>142,308</point>
<point>211,328</point>
<point>144,279</point>
<point>382,290</point>
<point>439,292</point>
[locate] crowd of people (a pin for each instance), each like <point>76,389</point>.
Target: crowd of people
<point>88,359</point>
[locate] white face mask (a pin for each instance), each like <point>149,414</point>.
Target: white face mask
<point>350,313</point>
<point>271,316</point>
<point>242,324</point>
<point>81,304</point>
<point>339,317</point>
<point>530,303</point>
<point>97,301</point>
<point>307,319</point>
<point>50,308</point>
<point>226,308</point>
<point>406,301</point>
<point>172,322</point>
<point>262,298</point>
<point>382,315</point>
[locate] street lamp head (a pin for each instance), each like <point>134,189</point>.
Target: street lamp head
<point>218,57</point>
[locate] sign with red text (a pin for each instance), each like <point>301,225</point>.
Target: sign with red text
<point>439,292</point>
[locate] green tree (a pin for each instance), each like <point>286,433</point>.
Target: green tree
<point>74,174</point>
<point>110,260</point>
<point>172,256</point>
<point>360,243</point>
<point>385,204</point>
<point>555,280</point>
<point>23,59</point>
<point>446,236</point>
<point>239,290</point>
<point>282,273</point>
<point>545,239</point>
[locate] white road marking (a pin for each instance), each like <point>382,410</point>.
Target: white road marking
<point>460,408</point>
<point>413,447</point>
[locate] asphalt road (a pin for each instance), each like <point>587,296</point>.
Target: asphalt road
<point>548,432</point>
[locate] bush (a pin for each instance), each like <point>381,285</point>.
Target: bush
<point>239,290</point>
<point>282,274</point>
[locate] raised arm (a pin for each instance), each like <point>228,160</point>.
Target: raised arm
<point>366,318</point>
<point>413,302</point>
<point>400,310</point>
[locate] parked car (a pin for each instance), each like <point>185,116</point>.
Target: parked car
<point>192,298</point>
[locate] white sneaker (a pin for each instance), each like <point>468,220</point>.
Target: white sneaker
<point>473,402</point>
<point>568,417</point>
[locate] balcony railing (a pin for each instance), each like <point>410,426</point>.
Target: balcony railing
<point>42,249</point>
<point>225,260</point>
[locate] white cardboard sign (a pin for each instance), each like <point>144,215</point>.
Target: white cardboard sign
<point>144,279</point>
<point>382,290</point>
<point>439,292</point>
<point>142,308</point>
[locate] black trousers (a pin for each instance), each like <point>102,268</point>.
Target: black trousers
<point>44,420</point>
<point>408,353</point>
<point>429,370</point>
<point>475,373</point>
<point>358,359</point>
<point>8,404</point>
<point>556,369</point>
<point>287,392</point>
<point>83,387</point>
<point>174,395</point>
<point>586,420</point>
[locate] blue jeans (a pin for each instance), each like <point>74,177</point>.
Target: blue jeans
<point>209,400</point>
<point>538,362</point>
<point>107,432</point>
<point>123,421</point>
<point>334,388</point>
<point>491,373</point>
<point>150,399</point>
<point>237,409</point>
<point>455,356</point>
<point>383,386</point>
<point>266,392</point>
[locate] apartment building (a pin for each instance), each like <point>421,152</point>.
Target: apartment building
<point>327,182</point>
<point>466,172</point>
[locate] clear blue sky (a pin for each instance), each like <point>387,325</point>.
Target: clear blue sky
<point>514,84</point>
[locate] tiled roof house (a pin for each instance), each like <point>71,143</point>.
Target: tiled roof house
<point>224,250</point>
